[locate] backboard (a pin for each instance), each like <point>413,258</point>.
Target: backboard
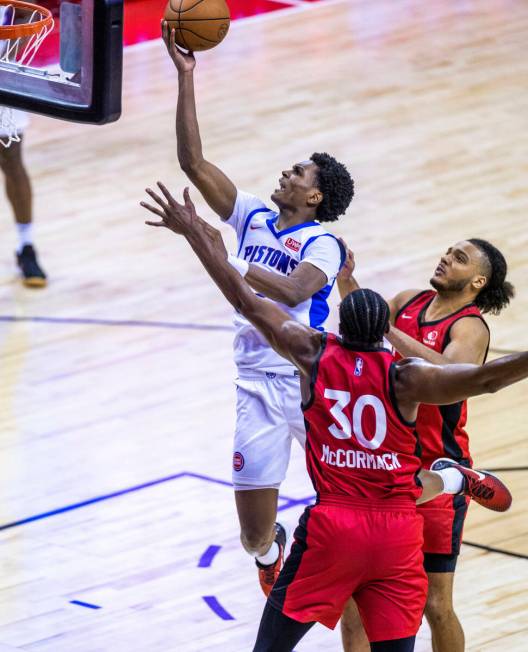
<point>76,72</point>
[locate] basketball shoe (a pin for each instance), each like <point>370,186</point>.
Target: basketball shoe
<point>32,274</point>
<point>268,574</point>
<point>483,487</point>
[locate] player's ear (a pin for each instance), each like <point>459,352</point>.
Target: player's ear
<point>315,197</point>
<point>479,282</point>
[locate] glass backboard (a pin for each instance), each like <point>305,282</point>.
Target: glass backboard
<point>76,72</point>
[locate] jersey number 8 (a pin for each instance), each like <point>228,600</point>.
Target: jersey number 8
<point>345,432</point>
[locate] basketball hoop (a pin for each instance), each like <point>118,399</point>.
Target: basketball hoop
<point>23,28</point>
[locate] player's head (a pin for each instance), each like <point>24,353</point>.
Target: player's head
<point>477,267</point>
<point>321,185</point>
<point>363,317</point>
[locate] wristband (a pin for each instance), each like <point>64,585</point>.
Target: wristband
<point>241,266</point>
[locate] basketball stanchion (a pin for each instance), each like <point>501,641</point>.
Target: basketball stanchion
<point>23,28</point>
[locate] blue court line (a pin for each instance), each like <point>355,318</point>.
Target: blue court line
<point>293,502</point>
<point>145,485</point>
<point>85,604</point>
<point>215,606</point>
<point>207,557</point>
<point>118,322</point>
<point>90,501</point>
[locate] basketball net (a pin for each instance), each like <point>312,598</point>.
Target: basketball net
<point>23,28</point>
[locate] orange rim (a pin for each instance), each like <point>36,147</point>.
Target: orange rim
<point>8,32</point>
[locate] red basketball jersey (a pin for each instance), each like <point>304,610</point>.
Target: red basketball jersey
<point>358,444</point>
<point>440,428</point>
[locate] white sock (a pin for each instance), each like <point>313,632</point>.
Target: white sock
<point>271,556</point>
<point>453,480</point>
<point>25,235</point>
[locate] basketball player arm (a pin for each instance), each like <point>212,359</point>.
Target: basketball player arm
<point>290,339</point>
<point>217,189</point>
<point>469,340</point>
<point>300,285</point>
<point>293,341</point>
<point>417,381</point>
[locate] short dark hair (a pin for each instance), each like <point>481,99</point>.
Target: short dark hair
<point>364,317</point>
<point>497,292</point>
<point>336,184</point>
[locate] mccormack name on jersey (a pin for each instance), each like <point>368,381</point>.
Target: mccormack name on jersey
<point>353,459</point>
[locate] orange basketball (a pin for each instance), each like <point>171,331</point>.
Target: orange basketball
<point>199,24</point>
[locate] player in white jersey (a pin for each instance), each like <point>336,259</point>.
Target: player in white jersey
<point>288,257</point>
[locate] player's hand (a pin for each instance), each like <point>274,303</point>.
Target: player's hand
<point>184,61</point>
<point>180,218</point>
<point>346,272</point>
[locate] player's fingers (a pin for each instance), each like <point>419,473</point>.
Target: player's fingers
<point>156,198</point>
<point>187,198</point>
<point>166,193</point>
<point>153,209</point>
<point>149,223</point>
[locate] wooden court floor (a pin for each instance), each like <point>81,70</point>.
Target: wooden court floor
<point>118,529</point>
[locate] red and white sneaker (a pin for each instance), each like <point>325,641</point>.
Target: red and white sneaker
<point>268,574</point>
<point>483,487</point>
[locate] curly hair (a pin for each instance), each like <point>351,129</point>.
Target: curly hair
<point>336,185</point>
<point>363,317</point>
<point>497,292</point>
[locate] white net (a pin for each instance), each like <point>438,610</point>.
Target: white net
<point>8,126</point>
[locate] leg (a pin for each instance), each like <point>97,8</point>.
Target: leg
<point>261,455</point>
<point>353,633</point>
<point>433,486</point>
<point>17,183</point>
<point>18,190</point>
<point>277,632</point>
<point>257,511</point>
<point>447,632</point>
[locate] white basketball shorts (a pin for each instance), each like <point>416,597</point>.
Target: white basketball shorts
<point>269,416</point>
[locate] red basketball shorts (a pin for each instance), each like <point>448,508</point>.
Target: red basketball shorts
<point>373,553</point>
<point>444,523</point>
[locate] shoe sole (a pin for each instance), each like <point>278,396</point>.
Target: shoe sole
<point>34,282</point>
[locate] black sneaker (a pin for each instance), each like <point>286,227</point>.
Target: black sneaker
<point>32,274</point>
<point>268,574</point>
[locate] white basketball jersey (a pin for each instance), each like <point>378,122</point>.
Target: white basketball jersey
<point>260,243</point>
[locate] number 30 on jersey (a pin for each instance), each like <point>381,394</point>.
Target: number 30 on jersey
<point>346,428</point>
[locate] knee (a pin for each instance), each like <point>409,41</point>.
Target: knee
<point>438,608</point>
<point>255,540</point>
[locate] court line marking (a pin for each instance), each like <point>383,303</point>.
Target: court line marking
<point>137,323</point>
<point>207,557</point>
<point>215,606</point>
<point>500,551</point>
<point>85,604</point>
<point>290,502</point>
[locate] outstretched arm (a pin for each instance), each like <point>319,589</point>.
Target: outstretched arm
<point>217,189</point>
<point>469,339</point>
<point>417,381</point>
<point>288,338</point>
<point>300,285</point>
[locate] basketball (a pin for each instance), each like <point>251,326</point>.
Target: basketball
<point>199,25</point>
